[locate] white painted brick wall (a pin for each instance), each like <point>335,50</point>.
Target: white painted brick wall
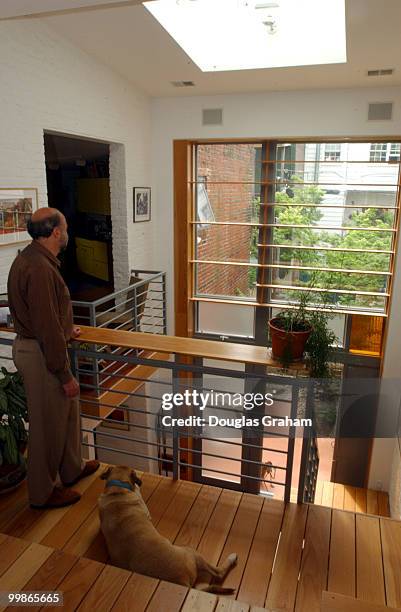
<point>48,84</point>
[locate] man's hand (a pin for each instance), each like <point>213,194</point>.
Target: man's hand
<point>71,389</point>
<point>76,331</point>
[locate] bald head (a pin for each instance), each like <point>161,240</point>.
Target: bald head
<point>43,221</point>
<point>48,226</point>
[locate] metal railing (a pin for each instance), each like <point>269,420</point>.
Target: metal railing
<point>123,417</point>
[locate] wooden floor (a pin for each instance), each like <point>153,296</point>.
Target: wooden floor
<point>354,499</point>
<point>288,554</point>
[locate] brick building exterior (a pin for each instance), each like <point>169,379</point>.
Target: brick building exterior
<point>229,163</point>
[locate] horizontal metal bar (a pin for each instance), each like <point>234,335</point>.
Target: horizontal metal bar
<point>287,267</point>
<point>117,437</point>
<point>283,306</point>
<point>239,459</point>
<point>323,205</point>
<point>226,441</point>
<point>296,183</point>
<point>319,290</point>
<point>319,162</point>
<point>126,452</point>
<point>207,469</point>
<point>294,226</point>
<point>296,247</point>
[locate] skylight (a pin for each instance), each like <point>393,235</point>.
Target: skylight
<point>243,34</point>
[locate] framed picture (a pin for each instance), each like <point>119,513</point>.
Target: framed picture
<point>16,207</point>
<point>141,204</point>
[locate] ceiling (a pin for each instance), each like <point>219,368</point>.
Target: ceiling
<point>131,41</point>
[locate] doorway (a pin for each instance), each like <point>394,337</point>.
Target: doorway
<point>78,185</point>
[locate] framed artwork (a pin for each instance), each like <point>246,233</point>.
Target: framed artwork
<point>16,207</point>
<point>141,204</point>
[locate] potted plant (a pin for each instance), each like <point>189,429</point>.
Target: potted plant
<point>299,331</point>
<point>289,332</point>
<point>13,433</point>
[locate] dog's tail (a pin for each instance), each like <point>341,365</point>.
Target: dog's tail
<point>217,589</point>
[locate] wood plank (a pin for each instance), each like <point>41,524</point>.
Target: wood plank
<point>48,577</point>
<point>198,601</point>
<point>391,546</point>
<point>194,347</point>
<point>314,566</point>
<point>349,498</point>
<point>216,532</point>
<point>383,503</point>
<point>97,550</point>
<point>162,497</point>
<point>333,602</point>
<point>11,503</point>
<point>319,492</point>
<point>106,590</point>
<point>23,520</point>
<point>22,570</point>
<point>372,506</point>
<point>338,496</point>
<point>284,581</point>
<point>168,596</point>
<point>84,536</point>
<point>231,605</point>
<point>10,549</point>
<point>240,537</point>
<point>369,566</point>
<point>176,513</point>
<point>198,518</point>
<point>256,578</point>
<point>361,501</point>
<point>77,583</point>
<point>342,554</point>
<point>327,494</point>
<point>139,589</point>
<point>39,530</point>
<point>58,537</point>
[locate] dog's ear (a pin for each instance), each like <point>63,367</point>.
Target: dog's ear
<point>135,479</point>
<point>106,473</point>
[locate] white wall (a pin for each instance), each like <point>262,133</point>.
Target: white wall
<point>329,113</point>
<point>47,84</point>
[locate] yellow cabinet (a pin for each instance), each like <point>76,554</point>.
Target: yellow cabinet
<point>94,196</point>
<point>92,258</point>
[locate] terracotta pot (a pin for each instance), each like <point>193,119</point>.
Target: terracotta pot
<point>287,345</point>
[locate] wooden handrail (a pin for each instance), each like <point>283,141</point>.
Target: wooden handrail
<point>193,347</point>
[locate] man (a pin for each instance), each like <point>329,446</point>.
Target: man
<point>41,309</point>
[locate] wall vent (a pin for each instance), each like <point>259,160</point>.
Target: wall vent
<point>212,116</point>
<point>183,83</point>
<point>380,111</point>
<point>381,72</point>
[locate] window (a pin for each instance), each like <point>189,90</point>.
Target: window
<point>394,153</point>
<point>332,152</point>
<point>325,229</point>
<point>378,152</point>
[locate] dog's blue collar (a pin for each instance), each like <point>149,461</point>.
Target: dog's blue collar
<point>119,483</point>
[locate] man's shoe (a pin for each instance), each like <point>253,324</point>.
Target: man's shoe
<point>60,497</point>
<point>90,468</point>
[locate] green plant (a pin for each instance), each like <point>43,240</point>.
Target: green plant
<point>318,347</point>
<point>13,417</point>
<point>319,344</point>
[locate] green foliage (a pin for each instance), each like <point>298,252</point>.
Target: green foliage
<point>13,416</point>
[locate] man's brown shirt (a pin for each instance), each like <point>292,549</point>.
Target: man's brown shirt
<point>40,305</point>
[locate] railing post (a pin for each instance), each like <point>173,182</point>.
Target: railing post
<point>253,435</point>
<point>176,438</point>
<point>291,442</point>
<point>304,472</point>
<point>164,300</point>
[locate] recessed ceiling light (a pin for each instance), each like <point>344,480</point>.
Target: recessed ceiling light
<point>242,34</point>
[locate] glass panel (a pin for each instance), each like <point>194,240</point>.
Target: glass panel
<point>227,243</point>
<point>229,281</point>
<point>229,162</point>
<point>228,202</point>
<point>226,319</point>
<point>366,335</point>
<point>331,259</point>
